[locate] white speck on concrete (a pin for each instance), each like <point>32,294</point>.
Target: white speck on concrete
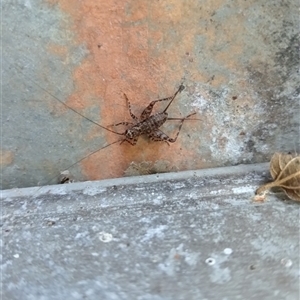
<point>286,262</point>
<point>227,251</point>
<point>16,255</point>
<point>105,237</point>
<point>152,232</point>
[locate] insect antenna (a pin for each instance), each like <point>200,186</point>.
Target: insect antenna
<point>105,146</point>
<point>180,89</point>
<point>172,119</point>
<point>63,103</point>
<point>80,160</point>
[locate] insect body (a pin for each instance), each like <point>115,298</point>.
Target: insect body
<point>149,124</point>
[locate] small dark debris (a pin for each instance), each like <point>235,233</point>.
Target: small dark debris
<point>234,97</point>
<point>65,177</point>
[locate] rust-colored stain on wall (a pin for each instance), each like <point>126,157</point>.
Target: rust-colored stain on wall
<point>6,157</point>
<point>146,49</point>
<point>137,48</point>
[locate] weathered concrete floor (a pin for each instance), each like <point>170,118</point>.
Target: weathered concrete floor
<point>190,235</point>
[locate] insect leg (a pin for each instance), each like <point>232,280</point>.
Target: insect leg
<point>180,89</point>
<point>147,111</point>
<point>159,136</point>
<point>132,141</point>
<point>122,123</point>
<point>129,107</point>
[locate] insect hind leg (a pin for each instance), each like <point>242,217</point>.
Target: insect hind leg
<point>147,111</point>
<point>159,136</point>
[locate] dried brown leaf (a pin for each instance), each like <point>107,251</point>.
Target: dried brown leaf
<point>285,170</point>
<point>275,166</point>
<point>278,162</point>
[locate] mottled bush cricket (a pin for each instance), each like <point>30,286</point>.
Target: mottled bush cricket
<point>149,124</point>
<point>145,124</point>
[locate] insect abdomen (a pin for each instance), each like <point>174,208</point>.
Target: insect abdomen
<point>153,122</point>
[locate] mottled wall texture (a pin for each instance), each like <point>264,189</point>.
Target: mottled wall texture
<point>238,60</point>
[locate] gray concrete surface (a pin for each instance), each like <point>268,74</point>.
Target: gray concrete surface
<point>239,59</point>
<point>187,235</point>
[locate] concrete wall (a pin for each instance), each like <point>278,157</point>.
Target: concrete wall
<point>239,61</point>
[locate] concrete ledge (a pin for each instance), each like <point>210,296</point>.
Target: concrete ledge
<point>146,179</point>
<point>186,235</point>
